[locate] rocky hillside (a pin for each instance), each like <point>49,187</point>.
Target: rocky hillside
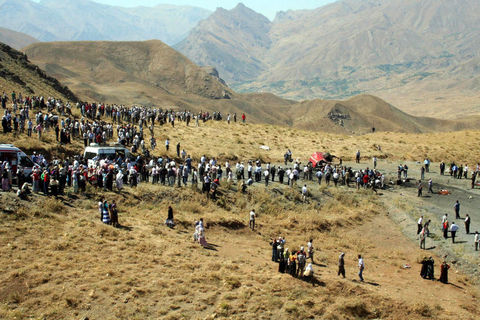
<point>54,20</point>
<point>18,74</point>
<point>16,40</point>
<point>425,50</point>
<point>229,40</point>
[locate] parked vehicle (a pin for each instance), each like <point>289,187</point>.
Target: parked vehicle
<point>96,152</point>
<point>16,157</point>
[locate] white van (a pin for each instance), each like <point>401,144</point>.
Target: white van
<point>103,152</point>
<point>15,156</point>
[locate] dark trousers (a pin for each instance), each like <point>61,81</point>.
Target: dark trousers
<point>251,224</point>
<point>453,236</point>
<point>341,271</point>
<point>467,227</point>
<point>419,228</point>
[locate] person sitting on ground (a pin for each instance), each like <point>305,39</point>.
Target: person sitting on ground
<point>24,191</point>
<point>308,274</point>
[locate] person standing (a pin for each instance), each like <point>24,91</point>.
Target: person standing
<point>423,236</point>
<point>304,192</point>
<point>357,157</point>
<point>456,207</point>
<point>422,173</point>
<point>419,188</point>
<point>476,240</point>
<point>453,231</point>
<point>341,264</point>
<point>167,144</point>
<point>251,223</point>
<point>266,175</point>
<point>301,261</point>
<point>374,160</point>
<point>467,224</point>
<point>310,250</point>
<point>419,225</point>
<point>178,150</point>
<point>243,117</point>
<point>169,222</point>
<point>361,267</point>
<point>444,272</point>
<point>442,168</point>
<point>445,229</point>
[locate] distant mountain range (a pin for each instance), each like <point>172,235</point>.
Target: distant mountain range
<point>61,20</point>
<point>421,56</point>
<point>424,56</point>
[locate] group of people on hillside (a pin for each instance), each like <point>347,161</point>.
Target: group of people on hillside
<point>428,269</point>
<point>108,212</point>
<point>294,262</point>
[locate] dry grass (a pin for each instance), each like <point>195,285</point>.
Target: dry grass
<point>59,261</point>
<point>74,265</point>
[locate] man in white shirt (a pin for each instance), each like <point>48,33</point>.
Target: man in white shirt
<point>361,267</point>
<point>453,231</point>
<point>266,175</point>
<point>419,225</point>
<point>251,223</point>
<point>304,192</point>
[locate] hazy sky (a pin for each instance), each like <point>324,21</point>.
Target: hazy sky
<point>265,7</point>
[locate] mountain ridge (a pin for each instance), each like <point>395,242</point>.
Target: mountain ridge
<point>88,20</point>
<point>385,48</point>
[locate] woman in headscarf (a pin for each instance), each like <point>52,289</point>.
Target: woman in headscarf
<point>105,213</point>
<point>119,180</point>
<point>444,271</point>
<point>201,234</point>
<point>5,180</point>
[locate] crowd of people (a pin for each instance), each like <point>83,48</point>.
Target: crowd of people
<point>99,123</point>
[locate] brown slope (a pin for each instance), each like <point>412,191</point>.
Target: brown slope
<point>152,73</point>
<point>359,114</point>
<point>149,73</point>
<point>19,75</point>
<point>16,40</point>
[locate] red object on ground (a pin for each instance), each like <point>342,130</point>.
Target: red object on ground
<point>316,158</point>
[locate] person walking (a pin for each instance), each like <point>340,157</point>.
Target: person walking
<point>420,188</point>
<point>453,231</point>
<point>361,267</point>
<point>341,264</point>
<point>430,186</point>
<point>467,224</point>
<point>456,207</point>
<point>419,225</point>
<point>251,223</point>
